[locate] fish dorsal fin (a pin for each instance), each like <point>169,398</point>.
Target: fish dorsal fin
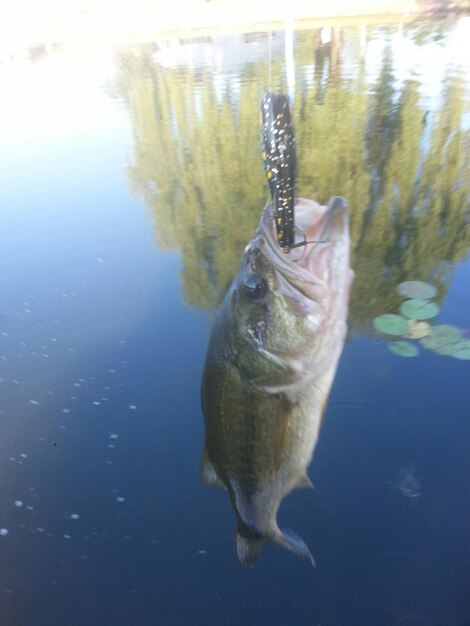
<point>282,420</point>
<point>208,474</point>
<point>304,482</point>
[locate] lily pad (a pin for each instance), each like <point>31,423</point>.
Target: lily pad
<point>403,348</point>
<point>417,330</point>
<point>446,332</point>
<point>443,339</point>
<point>418,309</point>
<point>416,289</point>
<point>391,324</point>
<point>462,350</point>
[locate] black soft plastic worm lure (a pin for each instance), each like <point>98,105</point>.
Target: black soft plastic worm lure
<point>280,163</point>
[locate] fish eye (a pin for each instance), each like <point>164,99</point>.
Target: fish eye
<point>255,286</point>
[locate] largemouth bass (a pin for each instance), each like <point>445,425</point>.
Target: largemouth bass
<point>270,364</point>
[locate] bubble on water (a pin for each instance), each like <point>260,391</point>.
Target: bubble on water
<point>18,503</point>
<point>3,532</point>
<point>74,516</point>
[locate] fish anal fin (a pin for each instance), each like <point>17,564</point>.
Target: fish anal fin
<point>292,541</point>
<point>208,474</point>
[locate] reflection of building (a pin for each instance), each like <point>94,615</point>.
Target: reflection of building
<point>223,52</point>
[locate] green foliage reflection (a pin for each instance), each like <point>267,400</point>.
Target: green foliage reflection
<point>405,172</point>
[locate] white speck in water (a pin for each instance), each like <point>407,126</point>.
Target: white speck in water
<point>15,382</point>
<point>65,410</point>
<point>12,459</point>
<point>104,399</point>
<point>3,532</point>
<point>133,407</point>
<point>30,508</point>
<point>112,371</point>
<point>202,551</point>
<point>77,384</point>
<point>96,403</point>
<point>54,339</point>
<point>120,499</point>
<point>10,591</point>
<point>5,334</point>
<point>18,504</point>
<point>113,436</point>
<point>39,529</point>
<point>74,516</point>
<point>34,402</point>
<point>67,537</point>
<point>83,557</point>
<point>23,455</point>
<point>62,427</point>
<point>111,445</point>
<point>109,462</point>
<point>100,260</point>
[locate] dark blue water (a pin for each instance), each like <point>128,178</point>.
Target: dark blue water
<point>124,212</point>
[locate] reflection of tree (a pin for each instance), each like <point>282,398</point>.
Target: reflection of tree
<point>197,164</point>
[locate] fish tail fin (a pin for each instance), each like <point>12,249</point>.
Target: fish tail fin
<point>292,541</point>
<point>249,549</point>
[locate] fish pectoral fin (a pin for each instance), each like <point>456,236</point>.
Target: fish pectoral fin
<point>208,474</point>
<point>304,482</point>
<point>292,541</point>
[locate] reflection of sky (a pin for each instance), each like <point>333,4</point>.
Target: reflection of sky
<point>428,63</point>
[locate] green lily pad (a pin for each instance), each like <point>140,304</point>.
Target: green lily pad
<point>443,339</point>
<point>419,309</point>
<point>462,350</point>
<point>446,332</point>
<point>391,324</point>
<point>416,289</point>
<point>403,348</point>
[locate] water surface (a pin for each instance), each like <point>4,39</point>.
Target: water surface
<point>130,184</point>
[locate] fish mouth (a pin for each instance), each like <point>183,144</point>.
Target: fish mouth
<point>319,230</point>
